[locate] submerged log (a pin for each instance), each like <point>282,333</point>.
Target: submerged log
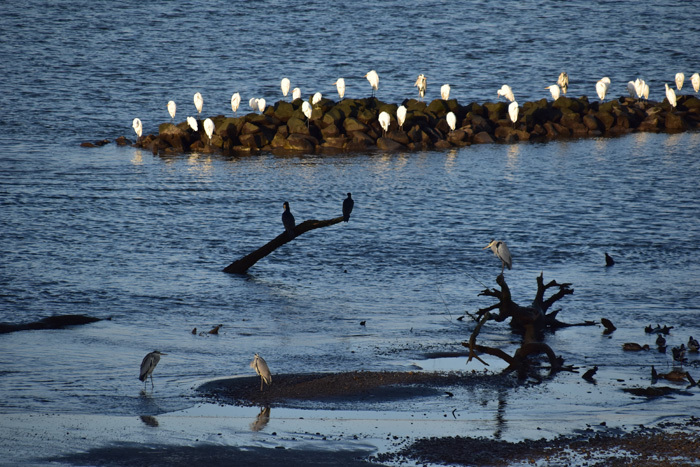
<point>242,265</point>
<point>50,322</point>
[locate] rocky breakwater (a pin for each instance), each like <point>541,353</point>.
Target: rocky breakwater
<point>353,125</point>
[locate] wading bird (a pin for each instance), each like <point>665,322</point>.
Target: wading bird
<point>171,109</point>
<point>401,115</point>
<point>513,113</point>
<point>631,89</point>
<point>253,104</point>
<point>601,88</point>
<point>373,79</point>
<point>307,110</point>
<point>563,81</point>
<point>680,77</point>
<point>451,120</point>
<point>138,127</point>
<point>235,102</point>
<point>554,90</point>
<point>209,128</point>
<point>260,367</point>
<point>445,92</point>
<point>670,95</point>
<point>506,92</point>
<point>422,84</point>
<point>148,365</point>
<point>192,123</point>
<point>285,84</point>
<point>348,204</point>
<point>288,221</point>
<point>695,81</point>
<point>198,102</point>
<point>340,86</point>
<point>261,105</point>
<point>693,345</point>
<point>316,98</point>
<point>384,121</point>
<point>296,94</point>
<point>500,249</point>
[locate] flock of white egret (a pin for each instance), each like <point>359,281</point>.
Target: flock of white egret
<point>638,89</point>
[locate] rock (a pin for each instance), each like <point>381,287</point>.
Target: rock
<point>250,129</point>
<point>86,144</point>
<point>330,131</point>
<point>352,125</point>
<point>297,126</point>
<point>122,141</point>
<point>439,108</point>
<point>496,110</point>
<point>338,142</point>
<point>592,123</point>
<point>674,122</point>
<point>606,119</point>
<point>387,144</point>
<point>399,136</point>
<point>283,110</point>
<point>482,138</point>
<point>443,144</point>
<point>303,143</point>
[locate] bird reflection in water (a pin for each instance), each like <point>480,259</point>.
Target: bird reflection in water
<point>149,420</point>
<point>261,420</point>
<point>501,422</point>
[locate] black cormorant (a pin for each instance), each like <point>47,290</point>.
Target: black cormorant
<point>288,220</point>
<point>348,204</point>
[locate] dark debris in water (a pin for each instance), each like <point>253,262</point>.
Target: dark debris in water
<point>51,322</point>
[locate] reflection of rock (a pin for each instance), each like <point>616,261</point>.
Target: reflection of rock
<point>149,420</point>
<point>261,420</point>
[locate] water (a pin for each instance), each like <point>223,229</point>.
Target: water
<point>117,233</point>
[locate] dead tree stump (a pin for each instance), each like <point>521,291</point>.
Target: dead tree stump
<point>531,320</point>
<point>242,265</point>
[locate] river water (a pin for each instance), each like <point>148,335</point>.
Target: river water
<point>118,233</point>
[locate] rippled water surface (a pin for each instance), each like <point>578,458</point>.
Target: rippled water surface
<point>118,233</point>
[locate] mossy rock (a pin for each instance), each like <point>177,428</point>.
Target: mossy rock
<point>496,110</point>
<point>414,105</point>
<point>367,115</point>
<point>438,107</point>
<point>388,108</point>
<point>567,104</point>
<point>283,110</point>
<point>298,126</point>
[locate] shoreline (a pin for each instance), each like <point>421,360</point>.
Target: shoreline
<point>353,125</point>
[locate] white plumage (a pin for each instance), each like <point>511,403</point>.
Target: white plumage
<point>340,86</point>
<point>451,120</point>
<point>445,92</point>
<point>198,102</point>
<point>138,127</point>
<point>172,108</point>
<point>401,115</point>
<point>506,92</point>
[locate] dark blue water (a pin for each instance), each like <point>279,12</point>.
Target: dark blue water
<point>117,233</point>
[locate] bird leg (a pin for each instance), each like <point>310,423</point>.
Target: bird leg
<point>261,384</point>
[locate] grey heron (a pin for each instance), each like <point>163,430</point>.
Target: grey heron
<point>149,364</point>
<point>348,204</point>
<point>500,249</point>
<point>260,366</point>
<point>288,220</point>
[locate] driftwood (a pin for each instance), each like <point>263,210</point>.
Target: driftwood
<point>531,320</point>
<point>242,265</point>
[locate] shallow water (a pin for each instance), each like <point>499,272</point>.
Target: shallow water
<point>117,233</point>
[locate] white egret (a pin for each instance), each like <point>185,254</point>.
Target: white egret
<point>306,109</point>
<point>235,102</point>
<point>695,81</point>
<point>670,95</point>
<point>601,87</point>
<point>563,82</point>
<point>384,121</point>
<point>513,112</point>
<point>401,115</point>
<point>632,89</point>
<point>260,367</point>
<point>198,102</point>
<point>348,204</point>
<point>148,364</point>
<point>316,98</point>
<point>373,79</point>
<point>288,220</point>
<point>209,130</point>
<point>340,86</point>
<point>645,91</point>
<point>506,92</point>
<point>192,123</point>
<point>445,92</point>
<point>296,94</point>
<point>500,249</point>
<point>138,127</point>
<point>261,105</point>
<point>554,90</point>
<point>285,84</point>
<point>253,103</point>
<point>451,120</point>
<point>639,87</point>
<point>422,84</point>
<point>680,77</point>
<point>606,80</point>
<point>171,109</point>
